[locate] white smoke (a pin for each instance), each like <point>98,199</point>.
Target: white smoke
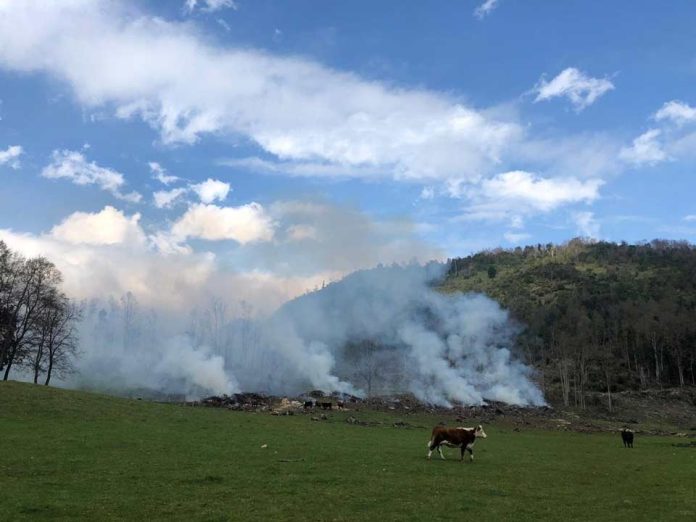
<point>379,331</point>
<point>442,348</point>
<point>127,349</point>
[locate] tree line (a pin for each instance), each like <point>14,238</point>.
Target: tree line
<point>38,323</point>
<point>599,316</point>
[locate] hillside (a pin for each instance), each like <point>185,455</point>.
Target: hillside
<point>597,316</point>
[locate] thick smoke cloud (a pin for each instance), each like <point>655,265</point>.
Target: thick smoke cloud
<point>388,329</point>
<point>377,331</point>
<point>128,349</point>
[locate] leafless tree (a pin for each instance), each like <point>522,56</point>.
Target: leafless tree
<point>56,338</point>
<point>26,290</point>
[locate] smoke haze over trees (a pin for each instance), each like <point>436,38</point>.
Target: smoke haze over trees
<point>377,331</point>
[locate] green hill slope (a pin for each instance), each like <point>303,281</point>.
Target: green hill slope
<point>598,316</point>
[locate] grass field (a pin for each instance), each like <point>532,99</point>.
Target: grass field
<point>72,455</point>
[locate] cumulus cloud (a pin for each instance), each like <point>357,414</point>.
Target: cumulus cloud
<point>512,194</point>
<point>209,5</point>
<point>10,156</point>
<point>580,89</point>
<point>211,190</point>
<point>160,174</point>
<point>677,112</point>
<point>293,108</point>
<point>244,224</point>
<point>275,253</point>
<point>73,166</point>
<point>485,8</point>
<point>167,198</point>
<point>107,227</point>
<point>645,150</point>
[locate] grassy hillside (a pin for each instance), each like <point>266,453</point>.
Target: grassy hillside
<point>71,455</point>
<point>598,316</point>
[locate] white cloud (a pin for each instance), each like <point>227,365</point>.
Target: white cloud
<point>580,89</point>
<point>74,166</point>
<point>160,174</point>
<point>646,149</point>
<point>10,156</point>
<point>677,112</point>
<point>107,227</point>
<point>428,193</point>
<point>171,281</point>
<point>516,237</point>
<point>587,225</point>
<point>485,8</point>
<point>690,217</point>
<point>543,194</point>
<point>209,5</point>
<point>211,190</point>
<point>295,109</point>
<point>167,198</point>
<point>511,196</point>
<point>107,253</point>
<point>301,168</point>
<point>245,224</point>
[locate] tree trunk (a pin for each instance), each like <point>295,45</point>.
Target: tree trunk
<point>10,359</point>
<point>565,381</point>
<point>653,342</point>
<point>680,370</point>
<point>48,371</point>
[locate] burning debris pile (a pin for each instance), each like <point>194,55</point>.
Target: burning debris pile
<point>239,401</point>
<point>318,401</point>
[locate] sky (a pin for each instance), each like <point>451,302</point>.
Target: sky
<point>258,149</point>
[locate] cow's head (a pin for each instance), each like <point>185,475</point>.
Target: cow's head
<point>479,433</point>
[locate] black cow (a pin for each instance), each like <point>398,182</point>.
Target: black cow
<point>627,437</point>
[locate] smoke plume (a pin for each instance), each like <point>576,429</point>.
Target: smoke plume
<point>376,331</point>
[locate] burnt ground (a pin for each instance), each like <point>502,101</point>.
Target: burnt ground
<point>649,412</point>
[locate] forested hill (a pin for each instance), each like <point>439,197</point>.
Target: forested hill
<point>600,316</point>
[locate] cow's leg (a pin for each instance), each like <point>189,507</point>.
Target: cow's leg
<point>439,449</point>
<point>471,453</point>
<point>430,449</point>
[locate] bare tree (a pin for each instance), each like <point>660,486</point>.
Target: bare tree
<point>55,338</point>
<point>27,292</point>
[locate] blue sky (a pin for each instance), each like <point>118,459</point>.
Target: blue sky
<point>307,139</point>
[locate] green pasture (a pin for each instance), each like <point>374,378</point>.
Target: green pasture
<point>69,455</point>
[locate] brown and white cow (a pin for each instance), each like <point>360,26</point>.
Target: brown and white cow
<point>463,438</point>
